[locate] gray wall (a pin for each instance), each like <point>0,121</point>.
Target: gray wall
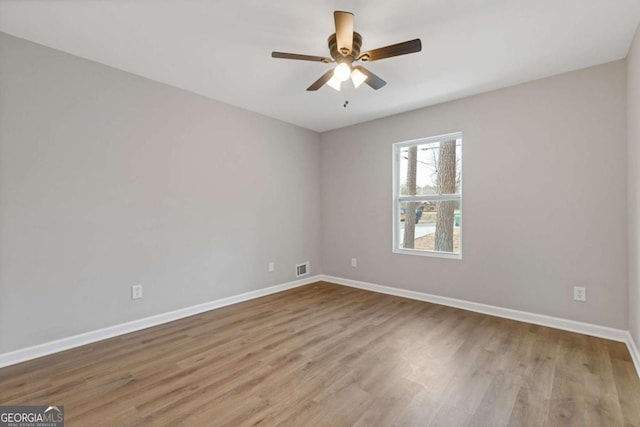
<point>108,180</point>
<point>633,135</point>
<point>544,203</point>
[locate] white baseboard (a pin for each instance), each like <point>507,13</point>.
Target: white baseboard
<point>633,349</point>
<point>29,353</point>
<point>523,316</point>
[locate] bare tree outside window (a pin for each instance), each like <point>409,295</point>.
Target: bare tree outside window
<point>410,214</point>
<point>446,185</point>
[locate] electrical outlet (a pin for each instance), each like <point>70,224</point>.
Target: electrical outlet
<point>272,267</point>
<point>354,262</point>
<point>579,293</point>
<point>136,292</point>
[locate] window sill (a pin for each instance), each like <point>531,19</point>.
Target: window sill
<point>432,254</point>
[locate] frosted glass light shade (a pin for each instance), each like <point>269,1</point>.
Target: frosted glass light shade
<point>357,77</point>
<point>334,83</point>
<point>342,72</point>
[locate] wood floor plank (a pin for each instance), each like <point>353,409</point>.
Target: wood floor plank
<point>325,354</point>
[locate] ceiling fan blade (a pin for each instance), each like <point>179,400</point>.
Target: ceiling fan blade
<point>372,80</point>
<point>284,55</point>
<point>344,31</point>
<point>398,49</point>
<point>321,81</point>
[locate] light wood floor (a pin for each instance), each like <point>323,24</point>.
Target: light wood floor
<point>329,355</point>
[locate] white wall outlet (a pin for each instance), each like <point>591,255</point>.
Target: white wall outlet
<point>272,267</point>
<point>579,293</point>
<point>136,292</point>
<point>354,262</point>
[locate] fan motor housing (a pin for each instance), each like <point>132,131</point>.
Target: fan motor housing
<point>355,48</point>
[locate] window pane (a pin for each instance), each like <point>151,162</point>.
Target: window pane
<point>432,168</point>
<point>430,226</point>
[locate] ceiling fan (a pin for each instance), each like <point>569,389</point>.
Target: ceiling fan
<point>344,48</point>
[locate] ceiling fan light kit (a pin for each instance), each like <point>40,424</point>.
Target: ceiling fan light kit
<point>342,72</point>
<point>334,83</point>
<point>344,48</point>
<point>357,77</point>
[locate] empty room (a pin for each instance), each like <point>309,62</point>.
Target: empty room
<point>333,213</point>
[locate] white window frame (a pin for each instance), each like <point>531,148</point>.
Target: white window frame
<point>397,198</point>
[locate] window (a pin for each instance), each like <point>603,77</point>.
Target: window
<point>427,196</point>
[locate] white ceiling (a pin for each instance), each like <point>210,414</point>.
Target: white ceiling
<point>221,48</point>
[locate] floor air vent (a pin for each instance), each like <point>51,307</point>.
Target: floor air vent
<point>302,269</point>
